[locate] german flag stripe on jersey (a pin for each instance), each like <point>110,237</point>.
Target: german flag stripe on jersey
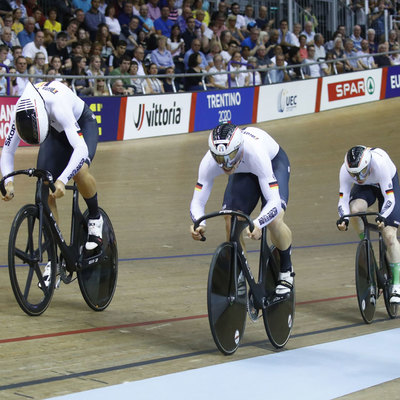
<point>198,186</point>
<point>341,195</point>
<point>273,185</point>
<point>389,191</point>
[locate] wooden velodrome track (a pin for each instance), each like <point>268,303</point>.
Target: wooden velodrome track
<point>157,322</point>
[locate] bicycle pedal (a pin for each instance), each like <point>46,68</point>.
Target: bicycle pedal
<point>58,282</point>
<point>251,310</point>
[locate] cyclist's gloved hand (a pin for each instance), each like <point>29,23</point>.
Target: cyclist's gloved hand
<point>381,221</point>
<point>9,191</point>
<point>342,224</point>
<point>255,234</point>
<point>198,234</point>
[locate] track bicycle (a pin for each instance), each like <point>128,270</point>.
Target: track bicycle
<point>36,239</point>
<point>229,300</point>
<point>372,278</point>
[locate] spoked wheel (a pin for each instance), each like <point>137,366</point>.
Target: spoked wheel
<point>366,281</point>
<point>384,278</point>
<point>279,314</point>
<point>98,282</point>
<point>226,299</point>
<point>29,250</point>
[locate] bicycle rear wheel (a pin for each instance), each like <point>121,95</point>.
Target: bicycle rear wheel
<point>278,316</point>
<point>29,250</point>
<point>227,307</point>
<point>366,280</point>
<point>98,282</point>
<point>384,278</point>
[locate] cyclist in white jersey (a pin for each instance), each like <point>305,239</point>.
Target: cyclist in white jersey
<point>51,115</point>
<point>257,167</point>
<point>367,175</point>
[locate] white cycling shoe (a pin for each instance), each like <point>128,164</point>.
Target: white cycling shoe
<point>395,294</point>
<point>285,283</point>
<point>95,233</point>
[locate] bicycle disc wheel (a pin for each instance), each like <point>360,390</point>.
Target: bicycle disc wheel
<point>365,281</point>
<point>279,314</point>
<point>98,282</point>
<point>29,250</point>
<point>226,309</point>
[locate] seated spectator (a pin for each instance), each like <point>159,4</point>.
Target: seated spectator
<point>56,65</point>
<point>51,27</point>
<point>366,62</point>
<point>173,11</point>
<point>38,67</point>
<point>236,33</point>
<point>153,9</point>
<point>80,85</point>
<point>155,84</point>
<point>190,33</point>
<point>100,88</point>
<point>227,55</point>
<point>181,21</point>
<point>351,63</point>
<point>253,40</point>
<point>313,70</point>
<point>94,20</point>
<point>395,57</point>
<point>198,7</point>
<point>239,76</point>
<point>373,45</point>
<point>337,52</point>
<point>14,5</point>
<point>39,17</point>
<point>65,11</point>
<point>112,23</point>
<point>21,68</point>
<point>138,56</point>
<point>137,84</point>
<point>303,47</point>
<point>195,48</point>
<point>163,25</point>
<point>123,70</point>
<point>382,60</point>
<point>254,75</point>
<point>308,32</point>
<point>30,49</point>
<point>356,37</point>
<point>193,83</point>
<point>293,63</point>
<point>146,22</point>
<point>16,52</point>
<point>10,39</point>
<point>249,15</point>
<point>176,44</point>
<point>286,38</point>
<point>215,49</point>
<point>71,31</point>
<point>169,83</point>
<point>219,81</point>
<point>17,26</point>
<point>240,20</point>
<point>130,34</point>
<point>392,39</point>
<point>126,15</point>
<point>161,56</point>
<point>278,75</point>
<point>272,42</point>
<point>59,47</point>
<point>103,36</point>
<point>6,34</point>
<point>4,56</point>
<point>114,60</point>
<point>28,33</point>
<point>94,70</point>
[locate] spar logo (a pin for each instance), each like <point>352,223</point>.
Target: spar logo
<point>157,115</point>
<point>349,89</point>
<point>286,101</point>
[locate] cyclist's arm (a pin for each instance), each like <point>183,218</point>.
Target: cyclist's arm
<point>345,185</point>
<point>76,140</point>
<point>386,185</point>
<point>208,170</point>
<point>7,155</point>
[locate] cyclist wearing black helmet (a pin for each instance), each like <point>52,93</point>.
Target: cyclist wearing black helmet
<point>257,167</point>
<point>367,175</point>
<point>50,115</point>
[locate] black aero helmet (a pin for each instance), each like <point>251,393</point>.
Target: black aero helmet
<point>358,161</point>
<point>226,145</point>
<point>31,117</point>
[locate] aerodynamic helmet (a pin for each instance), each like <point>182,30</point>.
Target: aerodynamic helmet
<point>226,145</point>
<point>31,117</point>
<point>358,162</point>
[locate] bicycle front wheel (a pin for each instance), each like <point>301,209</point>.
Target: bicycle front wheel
<point>226,299</point>
<point>366,280</point>
<point>98,282</point>
<point>29,250</point>
<point>278,316</point>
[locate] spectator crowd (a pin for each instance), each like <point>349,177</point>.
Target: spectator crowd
<point>121,45</point>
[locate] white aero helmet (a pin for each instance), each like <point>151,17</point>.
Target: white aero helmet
<point>31,117</point>
<point>358,162</point>
<point>226,145</point>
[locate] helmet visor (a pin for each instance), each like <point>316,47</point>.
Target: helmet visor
<point>360,176</point>
<point>228,160</point>
<point>27,126</point>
